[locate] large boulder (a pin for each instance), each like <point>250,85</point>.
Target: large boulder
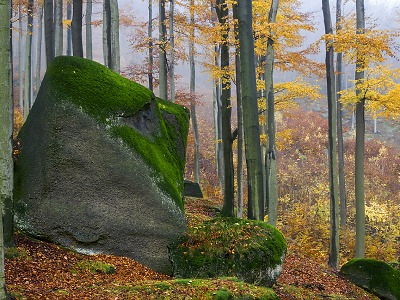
<point>101,165</point>
<point>251,250</point>
<point>375,276</point>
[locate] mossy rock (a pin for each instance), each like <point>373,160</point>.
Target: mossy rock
<point>102,164</point>
<point>251,250</point>
<point>375,276</point>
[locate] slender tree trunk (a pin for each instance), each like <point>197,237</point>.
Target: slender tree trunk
<point>150,35</point>
<point>171,72</point>
<point>115,48</point>
<point>69,30</point>
<point>39,51</point>
<point>20,61</point>
<point>228,207</point>
<point>332,130</point>
<point>6,126</point>
<point>192,96</point>
<point>28,60</point>
<point>239,170</point>
<point>250,112</point>
<point>270,156</point>
<point>88,20</point>
<point>163,84</point>
<point>218,123</point>
<point>106,32</point>
<point>360,134</point>
<point>77,46</point>
<point>58,27</point>
<point>339,71</point>
<point>49,31</point>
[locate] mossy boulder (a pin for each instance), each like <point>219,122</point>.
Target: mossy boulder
<point>375,276</point>
<point>101,165</point>
<point>251,250</point>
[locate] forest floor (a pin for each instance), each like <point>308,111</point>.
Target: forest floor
<point>39,270</point>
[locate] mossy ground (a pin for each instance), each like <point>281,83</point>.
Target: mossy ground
<point>108,97</point>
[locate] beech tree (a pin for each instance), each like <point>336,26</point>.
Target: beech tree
<point>6,125</point>
<point>39,50</point>
<point>250,112</point>
<point>163,79</point>
<point>49,30</point>
<point>332,122</point>
<point>88,21</point>
<point>270,156</point>
<point>58,27</point>
<point>226,108</point>
<point>28,60</point>
<point>77,46</point>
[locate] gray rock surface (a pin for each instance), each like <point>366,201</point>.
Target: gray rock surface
<point>79,185</point>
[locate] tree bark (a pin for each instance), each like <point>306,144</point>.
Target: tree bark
<point>88,25</point>
<point>339,71</point>
<point>333,175</point>
<point>171,72</point>
<point>270,156</point>
<point>163,84</point>
<point>6,126</point>
<point>250,113</point>
<point>77,46</point>
<point>217,122</point>
<point>69,30</point>
<point>49,31</point>
<point>360,136</point>
<point>20,61</point>
<point>239,170</point>
<point>39,52</point>
<point>192,66</point>
<point>28,61</point>
<point>58,27</point>
<point>150,35</point>
<point>226,108</point>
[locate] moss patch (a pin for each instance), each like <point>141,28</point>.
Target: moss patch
<point>375,276</point>
<point>229,247</point>
<point>110,98</point>
<point>94,266</point>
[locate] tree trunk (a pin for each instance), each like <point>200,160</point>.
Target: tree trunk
<point>226,108</point>
<point>69,30</point>
<point>39,52</point>
<point>28,61</point>
<point>171,72</point>
<point>333,183</point>
<point>239,170</point>
<point>20,61</point>
<point>77,46</point>
<point>6,127</point>
<point>250,113</point>
<point>106,31</point>
<point>339,71</point>
<point>360,134</point>
<point>163,84</point>
<point>192,97</point>
<point>58,27</point>
<point>49,31</point>
<point>270,156</point>
<point>150,35</point>
<point>218,123</point>
<point>88,21</point>
<point>115,48</point>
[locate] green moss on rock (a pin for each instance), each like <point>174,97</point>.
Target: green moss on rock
<point>112,99</point>
<point>375,276</point>
<point>251,250</point>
